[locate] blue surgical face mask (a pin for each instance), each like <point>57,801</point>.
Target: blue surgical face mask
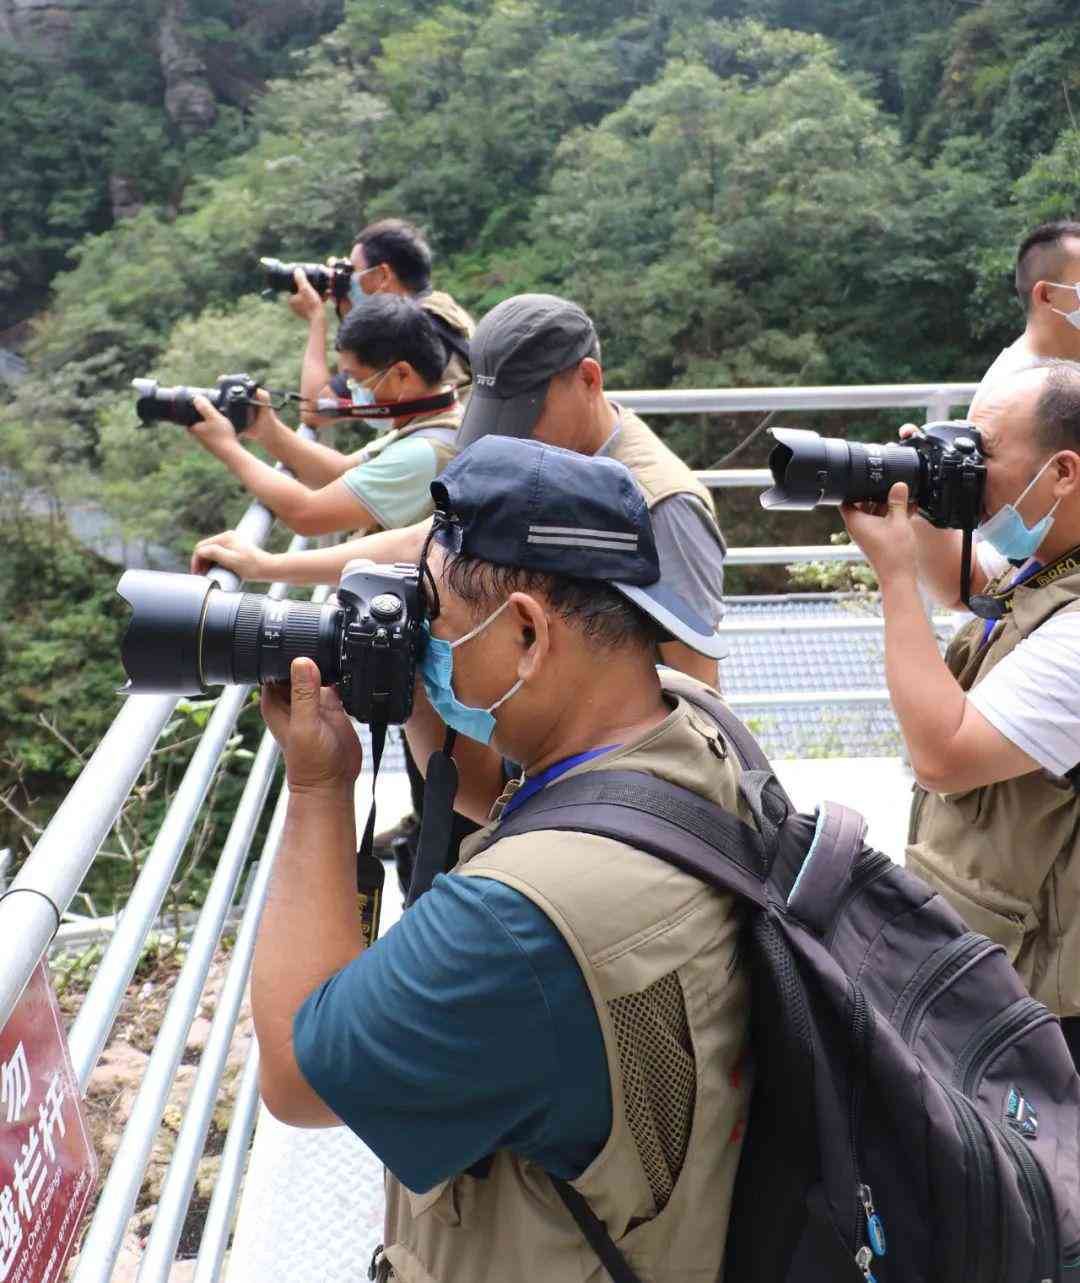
<point>1006,531</point>
<point>361,394</point>
<point>356,290</point>
<point>437,670</point>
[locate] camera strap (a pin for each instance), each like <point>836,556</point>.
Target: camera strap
<point>440,789</point>
<point>343,408</point>
<point>378,743</point>
<point>998,605</point>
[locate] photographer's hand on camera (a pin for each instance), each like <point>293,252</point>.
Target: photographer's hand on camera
<point>937,554</point>
<point>885,533</point>
<point>213,432</point>
<point>306,303</point>
<point>321,749</point>
<point>265,426</point>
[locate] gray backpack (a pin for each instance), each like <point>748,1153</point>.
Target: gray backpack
<point>916,1115</point>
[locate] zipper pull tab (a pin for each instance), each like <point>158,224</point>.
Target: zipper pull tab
<point>874,1228</point>
<point>863,1257</point>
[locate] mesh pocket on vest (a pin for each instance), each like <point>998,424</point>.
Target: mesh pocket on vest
<point>656,1060</point>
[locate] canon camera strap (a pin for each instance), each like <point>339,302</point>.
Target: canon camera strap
<point>343,408</point>
<point>998,605</point>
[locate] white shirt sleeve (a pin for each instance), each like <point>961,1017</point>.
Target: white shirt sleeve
<point>989,560</point>
<point>1033,695</point>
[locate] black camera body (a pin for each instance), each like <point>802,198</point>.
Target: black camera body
<point>331,279</point>
<point>381,637</point>
<point>186,635</point>
<point>942,465</point>
<point>234,396</point>
<point>953,480</point>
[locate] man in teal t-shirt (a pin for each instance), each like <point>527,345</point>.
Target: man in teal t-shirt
<point>391,355</point>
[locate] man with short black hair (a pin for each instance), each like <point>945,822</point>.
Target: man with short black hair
<point>561,1004</point>
<point>388,257</point>
<point>393,359</point>
<point>993,730</point>
<point>1048,286</point>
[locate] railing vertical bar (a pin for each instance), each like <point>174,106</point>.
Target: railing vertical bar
<point>215,1236</point>
<point>117,1199</point>
<point>64,853</point>
<point>90,1030</point>
<point>157,1260</point>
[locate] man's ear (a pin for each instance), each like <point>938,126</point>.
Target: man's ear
<point>1067,474</point>
<point>591,374</point>
<point>534,633</point>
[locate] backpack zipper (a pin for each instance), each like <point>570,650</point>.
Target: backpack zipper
<point>1041,1204</point>
<point>869,869</point>
<point>993,1263</point>
<point>942,969</point>
<point>862,1035</point>
<point>1007,1026</point>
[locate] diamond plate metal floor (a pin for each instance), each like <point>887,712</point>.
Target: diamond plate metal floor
<point>312,1204</point>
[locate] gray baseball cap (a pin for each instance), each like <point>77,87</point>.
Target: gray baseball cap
<point>517,349</point>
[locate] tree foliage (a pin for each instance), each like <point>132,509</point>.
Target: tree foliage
<point>742,192</point>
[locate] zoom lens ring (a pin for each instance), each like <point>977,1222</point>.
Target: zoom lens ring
<point>301,635</point>
<point>246,633</point>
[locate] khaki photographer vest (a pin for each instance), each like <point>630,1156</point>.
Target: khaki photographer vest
<point>1007,856</point>
<point>658,470</point>
<point>659,953</point>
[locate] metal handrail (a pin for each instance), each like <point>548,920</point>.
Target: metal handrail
<point>59,862</point>
<point>936,398</point>
<point>61,858</point>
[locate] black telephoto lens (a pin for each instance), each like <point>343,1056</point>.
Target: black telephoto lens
<point>186,634</point>
<point>280,278</point>
<point>810,470</point>
<point>168,405</point>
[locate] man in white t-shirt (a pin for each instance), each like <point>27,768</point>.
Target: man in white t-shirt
<point>993,730</point>
<point>1048,285</point>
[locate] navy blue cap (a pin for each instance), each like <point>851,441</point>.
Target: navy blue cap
<point>515,502</point>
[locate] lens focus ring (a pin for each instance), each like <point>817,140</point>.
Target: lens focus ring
<point>246,632</point>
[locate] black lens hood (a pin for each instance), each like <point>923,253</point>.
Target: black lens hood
<point>160,649</point>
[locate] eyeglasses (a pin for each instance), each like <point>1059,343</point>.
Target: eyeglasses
<point>358,385</point>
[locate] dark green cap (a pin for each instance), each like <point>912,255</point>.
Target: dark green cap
<point>517,349</point>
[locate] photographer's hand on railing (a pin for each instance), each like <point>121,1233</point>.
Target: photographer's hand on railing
<point>246,560</point>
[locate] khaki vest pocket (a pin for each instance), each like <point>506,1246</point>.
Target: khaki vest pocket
<point>1005,919</point>
<point>439,1200</point>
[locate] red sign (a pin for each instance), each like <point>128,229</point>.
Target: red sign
<point>47,1167</point>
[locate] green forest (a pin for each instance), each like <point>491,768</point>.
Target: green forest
<point>741,193</point>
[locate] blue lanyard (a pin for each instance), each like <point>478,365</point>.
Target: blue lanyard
<point>991,624</point>
<point>534,783</point>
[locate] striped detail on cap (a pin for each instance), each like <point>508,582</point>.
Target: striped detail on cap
<point>584,537</point>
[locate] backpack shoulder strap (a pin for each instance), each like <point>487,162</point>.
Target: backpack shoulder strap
<point>654,816</point>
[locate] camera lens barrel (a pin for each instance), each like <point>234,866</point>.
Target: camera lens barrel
<point>810,470</point>
<point>186,635</point>
<point>279,276</point>
<point>249,638</point>
<point>168,405</point>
